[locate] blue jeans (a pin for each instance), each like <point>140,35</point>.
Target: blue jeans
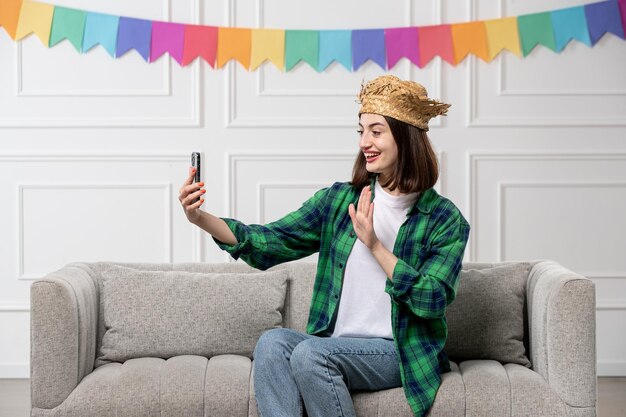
<point>292,367</point>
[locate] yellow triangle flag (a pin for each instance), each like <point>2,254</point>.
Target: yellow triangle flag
<point>268,44</point>
<point>469,38</point>
<point>233,43</point>
<point>35,17</point>
<point>502,34</point>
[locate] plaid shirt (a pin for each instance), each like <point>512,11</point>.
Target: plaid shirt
<point>429,248</point>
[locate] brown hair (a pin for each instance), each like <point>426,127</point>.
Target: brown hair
<point>417,168</point>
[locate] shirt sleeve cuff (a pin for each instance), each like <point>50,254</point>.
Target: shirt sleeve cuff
<point>402,281</point>
<point>240,232</point>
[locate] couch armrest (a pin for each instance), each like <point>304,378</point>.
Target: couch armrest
<point>562,322</point>
<point>63,319</point>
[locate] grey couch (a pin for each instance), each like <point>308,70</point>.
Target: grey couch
<point>176,340</point>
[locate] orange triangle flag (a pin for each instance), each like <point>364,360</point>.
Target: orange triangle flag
<point>234,43</point>
<point>502,34</point>
<point>469,37</point>
<point>10,15</point>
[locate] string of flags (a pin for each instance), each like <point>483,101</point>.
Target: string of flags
<point>319,48</point>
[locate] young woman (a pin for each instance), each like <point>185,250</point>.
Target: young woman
<point>390,251</point>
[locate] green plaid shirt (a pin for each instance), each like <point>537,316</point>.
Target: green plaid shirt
<point>429,246</point>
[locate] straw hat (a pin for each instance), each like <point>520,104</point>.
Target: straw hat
<point>406,101</point>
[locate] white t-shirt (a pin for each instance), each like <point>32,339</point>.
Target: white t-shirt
<point>365,307</point>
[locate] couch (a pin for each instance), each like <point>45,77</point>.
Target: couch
<point>113,339</point>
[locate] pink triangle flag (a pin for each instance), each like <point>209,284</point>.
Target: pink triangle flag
<point>436,40</point>
<point>167,37</point>
<point>401,43</point>
<point>200,41</point>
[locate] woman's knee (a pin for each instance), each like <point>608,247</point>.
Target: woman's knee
<point>272,342</point>
<point>308,358</point>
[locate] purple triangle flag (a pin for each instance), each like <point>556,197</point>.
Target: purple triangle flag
<point>604,17</point>
<point>167,37</point>
<point>401,43</point>
<point>134,34</point>
<point>368,44</point>
<point>622,6</point>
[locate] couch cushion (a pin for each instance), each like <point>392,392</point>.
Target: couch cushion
<point>190,386</point>
<point>168,313</point>
<point>487,319</point>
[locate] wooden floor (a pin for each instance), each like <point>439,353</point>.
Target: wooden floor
<point>15,397</point>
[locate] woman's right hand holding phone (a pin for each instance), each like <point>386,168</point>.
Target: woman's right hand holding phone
<point>190,196</point>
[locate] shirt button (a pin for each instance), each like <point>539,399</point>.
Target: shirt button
<point>340,266</point>
<point>351,234</point>
<point>336,296</point>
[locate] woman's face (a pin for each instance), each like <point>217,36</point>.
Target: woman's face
<point>378,145</point>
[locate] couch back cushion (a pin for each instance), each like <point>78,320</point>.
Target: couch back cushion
<point>488,320</point>
<point>168,313</point>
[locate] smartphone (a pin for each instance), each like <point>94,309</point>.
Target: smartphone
<point>195,162</point>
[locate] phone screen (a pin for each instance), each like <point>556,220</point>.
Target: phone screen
<point>195,162</point>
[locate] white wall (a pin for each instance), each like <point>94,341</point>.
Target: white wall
<point>93,150</point>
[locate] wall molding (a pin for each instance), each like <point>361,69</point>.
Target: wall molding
<point>14,308</point>
<point>166,188</point>
<point>106,157</point>
<point>611,305</point>
<point>236,121</point>
<point>192,119</point>
<point>504,185</point>
<point>473,159</point>
<point>26,156</point>
<point>474,120</point>
<point>14,370</point>
<point>263,187</point>
<point>232,159</point>
<point>611,368</point>
<point>164,91</point>
<point>503,91</point>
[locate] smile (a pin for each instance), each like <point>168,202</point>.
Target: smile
<point>371,156</point>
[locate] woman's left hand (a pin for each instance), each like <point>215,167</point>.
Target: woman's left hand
<point>363,218</point>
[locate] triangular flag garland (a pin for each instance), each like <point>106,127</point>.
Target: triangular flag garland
<point>318,48</point>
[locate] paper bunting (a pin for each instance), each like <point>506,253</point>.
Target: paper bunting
<point>234,43</point>
<point>402,43</point>
<point>35,18</point>
<point>536,29</point>
<point>200,41</point>
<point>604,17</point>
<point>368,44</point>
<point>570,24</point>
<point>622,7</point>
<point>435,40</point>
<point>335,45</point>
<point>502,34</point>
<point>134,34</point>
<point>167,37</point>
<point>469,38</point>
<point>351,48</point>
<point>68,24</point>
<point>101,29</point>
<point>301,45</point>
<point>268,44</point>
<point>9,15</point>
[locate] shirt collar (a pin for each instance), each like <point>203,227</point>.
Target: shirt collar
<point>425,201</point>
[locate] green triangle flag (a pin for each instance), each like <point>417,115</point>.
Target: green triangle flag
<point>301,45</point>
<point>536,29</point>
<point>70,24</point>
